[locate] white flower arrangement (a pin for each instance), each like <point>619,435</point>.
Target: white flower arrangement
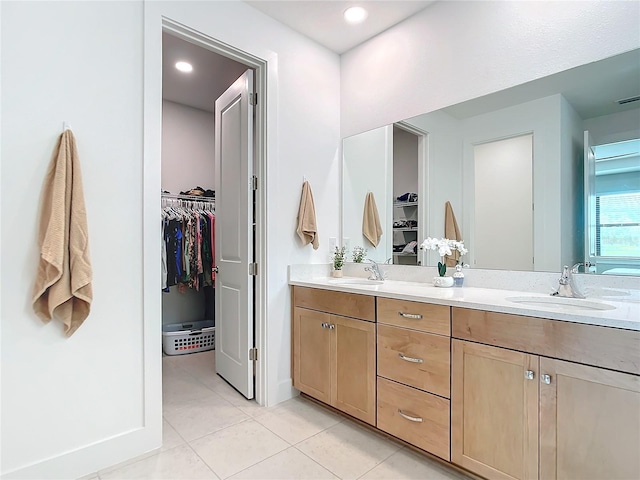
<point>444,246</point>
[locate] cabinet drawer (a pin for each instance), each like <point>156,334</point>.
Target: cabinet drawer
<point>418,316</point>
<point>417,417</point>
<point>338,303</point>
<point>419,359</point>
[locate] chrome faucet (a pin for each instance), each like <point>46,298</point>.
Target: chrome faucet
<point>376,272</point>
<point>567,287</point>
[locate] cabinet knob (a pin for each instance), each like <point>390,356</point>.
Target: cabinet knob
<point>415,316</point>
<point>529,375</point>
<point>331,326</point>
<point>324,325</point>
<point>545,379</point>
<point>411,418</point>
<point>410,359</point>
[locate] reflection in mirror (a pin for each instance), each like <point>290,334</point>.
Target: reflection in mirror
<point>539,212</point>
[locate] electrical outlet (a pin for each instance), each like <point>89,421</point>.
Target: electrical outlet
<point>333,242</point>
<point>346,243</point>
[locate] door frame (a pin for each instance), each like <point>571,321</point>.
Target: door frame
<point>265,87</point>
<point>423,184</point>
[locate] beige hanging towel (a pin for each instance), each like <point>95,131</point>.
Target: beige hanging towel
<point>452,232</point>
<point>371,221</point>
<point>307,229</point>
<point>63,283</point>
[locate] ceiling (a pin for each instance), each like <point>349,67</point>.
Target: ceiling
<point>212,73</point>
<point>323,22</point>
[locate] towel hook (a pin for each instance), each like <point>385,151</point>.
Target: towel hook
<point>65,126</point>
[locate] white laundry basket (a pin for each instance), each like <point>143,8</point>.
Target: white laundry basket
<point>181,338</point>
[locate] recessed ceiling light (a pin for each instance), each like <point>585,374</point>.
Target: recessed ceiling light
<point>355,14</point>
<point>184,67</point>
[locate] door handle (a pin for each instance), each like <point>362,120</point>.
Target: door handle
<point>409,417</point>
<point>410,359</point>
<point>414,316</point>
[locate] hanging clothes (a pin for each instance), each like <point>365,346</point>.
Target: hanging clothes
<point>187,232</point>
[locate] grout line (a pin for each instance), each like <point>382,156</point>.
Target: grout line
<point>203,461</point>
<point>259,462</point>
<point>219,430</point>
<point>315,461</point>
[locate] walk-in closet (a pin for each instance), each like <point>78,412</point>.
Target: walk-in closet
<point>193,78</point>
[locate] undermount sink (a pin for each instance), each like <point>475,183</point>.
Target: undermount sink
<point>355,281</point>
<point>561,303</point>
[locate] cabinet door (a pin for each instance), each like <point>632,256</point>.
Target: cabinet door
<point>354,388</point>
<point>312,353</point>
<point>494,411</point>
<point>589,423</point>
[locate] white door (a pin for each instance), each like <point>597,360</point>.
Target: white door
<point>234,234</point>
<point>503,173</point>
<point>589,201</point>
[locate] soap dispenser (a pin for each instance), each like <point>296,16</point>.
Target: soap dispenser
<point>458,277</point>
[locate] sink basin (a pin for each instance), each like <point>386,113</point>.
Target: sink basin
<point>561,303</point>
<point>355,281</point>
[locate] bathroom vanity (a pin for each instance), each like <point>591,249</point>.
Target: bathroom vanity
<point>499,388</point>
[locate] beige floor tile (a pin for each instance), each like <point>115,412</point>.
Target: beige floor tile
<point>407,465</point>
<point>175,464</point>
<point>287,465</point>
<point>179,389</point>
<point>197,418</point>
<point>297,419</point>
<point>170,438</point>
<point>231,395</point>
<point>348,450</point>
<point>240,446</point>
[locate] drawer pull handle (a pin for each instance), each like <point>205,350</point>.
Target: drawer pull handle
<point>409,417</point>
<point>415,316</point>
<point>410,359</point>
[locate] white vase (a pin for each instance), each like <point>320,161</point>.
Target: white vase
<point>336,273</point>
<point>443,281</point>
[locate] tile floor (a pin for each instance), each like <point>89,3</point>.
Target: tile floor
<point>212,432</point>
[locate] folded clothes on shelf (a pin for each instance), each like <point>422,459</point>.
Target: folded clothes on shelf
<point>411,247</point>
<point>408,197</point>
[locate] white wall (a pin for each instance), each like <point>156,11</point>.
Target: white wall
<point>71,405</point>
<point>94,400</point>
<point>542,118</point>
<point>617,127</point>
<point>443,176</point>
<point>405,162</point>
<point>187,148</point>
<point>368,167</point>
<point>572,188</point>
<point>455,51</point>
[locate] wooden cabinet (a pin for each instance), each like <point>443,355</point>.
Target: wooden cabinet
<point>588,417</point>
<point>589,422</point>
<point>494,411</point>
<point>312,353</point>
<point>334,357</point>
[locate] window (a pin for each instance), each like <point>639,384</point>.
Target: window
<point>618,225</point>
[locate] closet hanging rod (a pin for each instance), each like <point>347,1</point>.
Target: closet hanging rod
<point>191,198</point>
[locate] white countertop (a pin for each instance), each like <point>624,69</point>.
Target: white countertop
<point>626,314</point>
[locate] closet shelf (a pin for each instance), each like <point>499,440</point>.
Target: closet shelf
<point>405,204</point>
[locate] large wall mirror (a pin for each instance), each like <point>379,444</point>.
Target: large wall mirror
<point>538,176</point>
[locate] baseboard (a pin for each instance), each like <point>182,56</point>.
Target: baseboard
<point>91,458</point>
<point>284,391</point>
